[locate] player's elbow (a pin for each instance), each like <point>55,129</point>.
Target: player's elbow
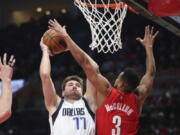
<point>153,72</point>
<point>44,75</point>
<point>5,114</point>
<point>92,66</point>
<point>94,70</point>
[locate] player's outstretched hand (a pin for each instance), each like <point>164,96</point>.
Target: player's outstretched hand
<point>149,37</point>
<point>6,68</point>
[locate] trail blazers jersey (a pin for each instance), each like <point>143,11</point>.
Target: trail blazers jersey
<point>72,119</point>
<point>118,114</point>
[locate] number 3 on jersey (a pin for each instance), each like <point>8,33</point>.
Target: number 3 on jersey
<point>116,120</point>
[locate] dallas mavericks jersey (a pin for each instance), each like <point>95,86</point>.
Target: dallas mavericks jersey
<point>72,119</point>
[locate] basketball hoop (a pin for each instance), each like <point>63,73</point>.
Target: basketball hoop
<point>105,19</point>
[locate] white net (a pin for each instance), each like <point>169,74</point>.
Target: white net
<point>105,23</point>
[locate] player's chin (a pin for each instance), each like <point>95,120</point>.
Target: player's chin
<point>75,96</point>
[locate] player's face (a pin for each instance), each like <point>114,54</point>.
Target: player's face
<point>118,83</point>
<point>73,90</point>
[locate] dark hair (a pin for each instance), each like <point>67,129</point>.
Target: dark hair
<point>72,77</point>
<point>131,78</point>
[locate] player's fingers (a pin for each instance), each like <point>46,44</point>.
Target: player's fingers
<point>148,30</point>
<point>52,28</point>
<point>11,58</point>
<point>145,31</point>
<point>151,31</point>
<point>42,43</point>
<point>11,61</point>
<point>4,59</point>
<point>64,27</point>
<point>14,61</point>
<point>51,22</point>
<point>139,39</point>
<point>154,36</point>
<point>41,39</point>
<point>56,21</point>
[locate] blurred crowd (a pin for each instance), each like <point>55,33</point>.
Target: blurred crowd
<point>160,113</point>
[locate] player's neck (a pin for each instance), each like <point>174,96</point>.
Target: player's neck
<point>71,100</point>
<point>120,89</point>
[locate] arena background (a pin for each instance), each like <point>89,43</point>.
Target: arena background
<point>22,24</point>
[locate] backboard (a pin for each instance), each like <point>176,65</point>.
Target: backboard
<point>171,23</point>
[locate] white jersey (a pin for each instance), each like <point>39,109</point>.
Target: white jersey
<point>72,119</point>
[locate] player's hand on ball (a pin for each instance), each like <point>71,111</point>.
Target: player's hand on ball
<point>44,47</point>
<point>53,24</point>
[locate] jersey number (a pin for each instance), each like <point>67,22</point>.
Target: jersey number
<point>80,120</point>
<point>116,120</point>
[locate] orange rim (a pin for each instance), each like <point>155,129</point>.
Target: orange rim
<point>113,6</point>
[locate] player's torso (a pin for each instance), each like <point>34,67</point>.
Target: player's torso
<point>117,115</point>
<point>72,119</point>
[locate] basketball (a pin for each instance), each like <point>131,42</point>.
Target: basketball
<point>55,43</point>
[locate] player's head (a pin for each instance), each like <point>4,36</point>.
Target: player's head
<point>72,87</point>
<point>127,80</point>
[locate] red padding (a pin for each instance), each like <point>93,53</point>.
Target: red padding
<point>164,7</point>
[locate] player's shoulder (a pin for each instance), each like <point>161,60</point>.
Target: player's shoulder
<point>55,107</point>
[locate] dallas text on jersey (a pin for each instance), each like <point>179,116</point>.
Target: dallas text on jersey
<point>73,111</point>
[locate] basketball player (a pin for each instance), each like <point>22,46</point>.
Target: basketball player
<point>71,114</point>
<point>119,107</point>
<point>6,72</point>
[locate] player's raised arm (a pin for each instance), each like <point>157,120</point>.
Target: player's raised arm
<point>146,82</point>
<point>91,95</point>
<point>6,72</point>
<point>89,66</point>
<point>51,99</point>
